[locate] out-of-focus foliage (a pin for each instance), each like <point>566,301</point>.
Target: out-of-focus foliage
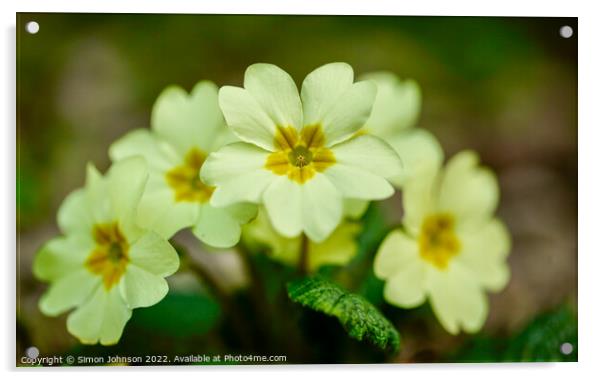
<point>360,318</point>
<point>359,274</point>
<point>540,341</point>
<point>179,315</point>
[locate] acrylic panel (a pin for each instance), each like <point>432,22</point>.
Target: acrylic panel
<point>265,189</point>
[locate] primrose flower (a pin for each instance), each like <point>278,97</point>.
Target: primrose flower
<point>393,118</point>
<point>105,265</point>
<point>301,155</point>
<point>338,249</point>
<point>184,130</point>
<point>452,249</point>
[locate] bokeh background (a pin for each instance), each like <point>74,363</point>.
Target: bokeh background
<point>506,87</point>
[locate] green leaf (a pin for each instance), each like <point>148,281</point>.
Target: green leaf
<point>542,338</point>
<point>540,341</point>
<point>359,318</point>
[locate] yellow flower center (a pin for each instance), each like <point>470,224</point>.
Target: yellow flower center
<point>110,256</point>
<point>438,241</point>
<point>185,181</point>
<point>300,156</point>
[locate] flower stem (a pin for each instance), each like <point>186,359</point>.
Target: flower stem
<point>304,255</point>
<point>264,311</point>
<point>230,309</point>
<point>257,285</point>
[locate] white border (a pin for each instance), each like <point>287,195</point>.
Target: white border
<point>590,189</point>
<point>342,7</point>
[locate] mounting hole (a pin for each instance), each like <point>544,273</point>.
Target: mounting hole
<point>32,27</point>
<point>566,348</point>
<point>32,352</point>
<point>566,32</point>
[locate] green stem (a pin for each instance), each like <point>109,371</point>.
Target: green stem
<point>263,309</point>
<point>232,312</point>
<point>257,286</point>
<point>304,255</point>
<point>273,316</point>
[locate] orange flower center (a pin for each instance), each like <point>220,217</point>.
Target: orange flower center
<point>110,256</point>
<point>185,181</point>
<point>300,156</point>
<point>438,241</point>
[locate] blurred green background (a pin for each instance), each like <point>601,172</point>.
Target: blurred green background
<point>506,87</point>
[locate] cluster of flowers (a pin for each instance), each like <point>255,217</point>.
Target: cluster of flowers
<point>277,166</point>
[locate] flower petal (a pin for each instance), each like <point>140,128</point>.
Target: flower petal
<point>61,256</point>
<point>314,207</point>
<point>243,212</point>
<point>355,208</point>
<point>68,291</point>
<point>419,151</point>
<point>470,192</point>
<point>219,227</point>
<point>396,106</point>
<point>283,201</point>
<point>141,142</point>
<point>418,200</point>
<point>245,117</point>
<point>457,300</point>
<point>188,121</point>
<point>260,235</point>
<point>96,189</point>
<point>127,179</point>
<point>322,88</point>
<point>338,249</point>
<point>362,164</point>
<point>349,114</point>
<point>396,251</point>
<point>276,93</point>
<point>484,252</point>
<point>158,212</point>
<point>102,318</point>
<point>407,287</point>
<point>332,100</point>
<point>238,171</point>
<point>140,288</point>
<point>357,183</point>
<point>322,208</point>
<point>74,215</point>
<point>369,153</point>
<point>154,254</point>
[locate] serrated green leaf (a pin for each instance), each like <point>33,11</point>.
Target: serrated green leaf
<point>359,318</point>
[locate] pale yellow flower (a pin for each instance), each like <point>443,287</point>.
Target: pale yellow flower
<point>301,154</point>
<point>105,265</point>
<point>451,249</point>
<point>185,129</point>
